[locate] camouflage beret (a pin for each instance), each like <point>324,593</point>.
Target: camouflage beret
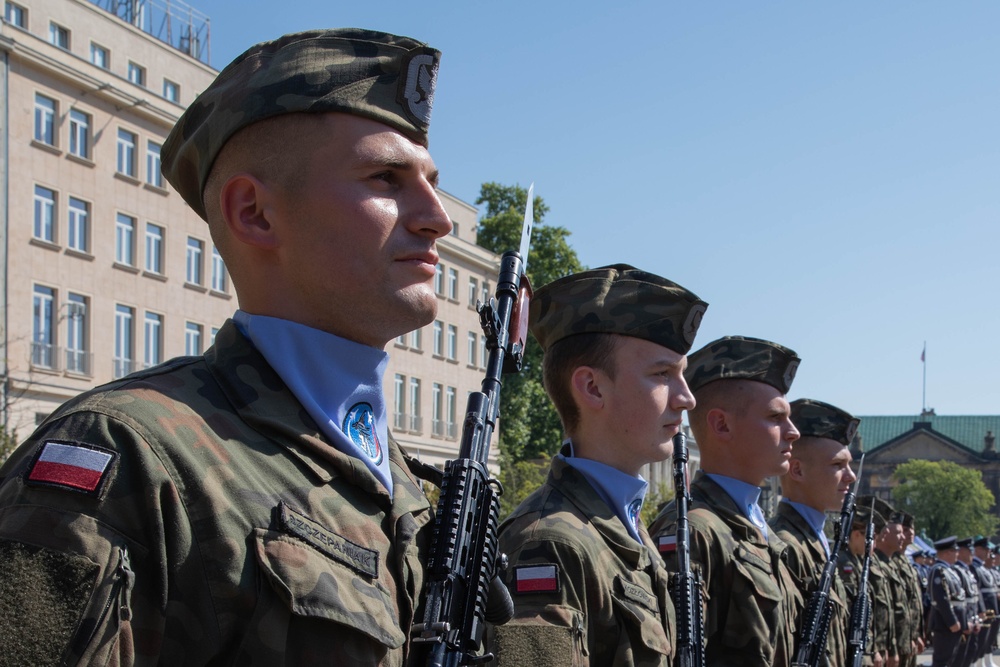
<point>860,521</point>
<point>821,420</point>
<point>907,519</point>
<point>945,543</point>
<point>616,299</point>
<point>376,75</point>
<point>742,358</point>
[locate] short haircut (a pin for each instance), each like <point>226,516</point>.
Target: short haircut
<point>733,396</point>
<point>595,350</point>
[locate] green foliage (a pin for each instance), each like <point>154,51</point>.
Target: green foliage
<point>519,479</point>
<point>8,442</point>
<point>944,498</point>
<point>529,427</point>
<point>656,497</point>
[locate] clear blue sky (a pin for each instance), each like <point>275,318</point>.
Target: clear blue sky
<point>825,175</point>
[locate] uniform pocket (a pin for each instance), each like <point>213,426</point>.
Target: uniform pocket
<point>754,604</point>
<point>643,620</point>
<point>314,586</point>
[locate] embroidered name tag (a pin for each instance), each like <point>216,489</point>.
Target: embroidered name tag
<point>536,578</point>
<point>356,557</point>
<point>74,466</point>
<point>638,594</point>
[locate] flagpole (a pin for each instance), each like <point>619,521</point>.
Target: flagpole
<point>923,359</point>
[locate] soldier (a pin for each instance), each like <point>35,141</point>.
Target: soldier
<point>988,591</point>
<point>849,567</point>
<point>587,583</point>
<point>743,427</point>
<point>973,602</point>
<point>248,506</point>
<point>819,476</point>
<point>884,602</point>
<point>948,622</point>
<point>907,572</point>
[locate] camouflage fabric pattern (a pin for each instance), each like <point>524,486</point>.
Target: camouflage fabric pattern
<point>616,299</point>
<point>907,573</point>
<point>849,569</point>
<point>751,601</point>
<point>376,75</point>
<point>817,419</point>
<point>884,638</point>
<point>612,605</point>
<point>742,358</point>
<point>230,531</point>
<point>805,559</point>
<point>899,604</point>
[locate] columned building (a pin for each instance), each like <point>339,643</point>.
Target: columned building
<point>103,267</point>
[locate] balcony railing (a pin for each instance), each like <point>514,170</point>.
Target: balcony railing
<point>121,367</point>
<point>80,362</point>
<point>45,356</point>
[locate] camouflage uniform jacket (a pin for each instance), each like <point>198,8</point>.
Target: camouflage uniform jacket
<point>805,559</point>
<point>603,597</point>
<point>849,569</point>
<point>900,604</point>
<point>227,530</point>
<point>914,601</point>
<point>884,628</point>
<point>750,598</point>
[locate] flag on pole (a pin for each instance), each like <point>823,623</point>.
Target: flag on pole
<point>923,354</point>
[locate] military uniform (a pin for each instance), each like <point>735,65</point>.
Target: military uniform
<point>947,608</point>
<point>907,574</point>
<point>882,609</point>
<point>973,608</point>
<point>849,570</point>
<point>899,605</point>
<point>225,528</point>
<point>585,592</point>
<point>805,559</point>
<point>751,598</point>
<point>988,593</point>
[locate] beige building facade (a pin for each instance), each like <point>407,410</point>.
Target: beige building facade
<point>106,270</point>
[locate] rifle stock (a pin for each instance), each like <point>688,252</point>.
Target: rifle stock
<point>464,591</point>
<point>686,590</point>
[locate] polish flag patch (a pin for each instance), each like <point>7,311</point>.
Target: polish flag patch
<point>536,579</point>
<point>71,465</point>
<point>667,544</point>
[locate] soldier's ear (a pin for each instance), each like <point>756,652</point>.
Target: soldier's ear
<point>795,470</point>
<point>586,386</point>
<point>244,202</point>
<point>719,424</point>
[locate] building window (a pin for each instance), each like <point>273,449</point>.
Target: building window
<point>215,332</point>
<point>79,134</point>
<point>450,409</point>
<point>194,255</point>
<point>482,352</point>
<point>124,341</point>
<point>45,214</point>
<point>153,175</point>
<point>415,339</point>
<point>452,342</point>
<point>438,338</point>
<point>136,74</point>
<point>453,284</point>
<point>77,357</point>
<point>401,340</point>
<point>439,280</point>
<point>399,408</point>
<point>153,350</point>
<point>59,36</point>
<point>486,292</point>
<point>171,91</point>
<point>43,354</point>
<point>192,339</point>
<point>154,248</point>
<point>125,239</point>
<point>100,56</point>
<point>473,348</point>
<point>415,424</point>
<point>473,292</point>
<point>126,152</point>
<point>45,120</point>
<point>15,15</point>
<point>79,225</point>
<point>218,271</point>
<point>437,424</point>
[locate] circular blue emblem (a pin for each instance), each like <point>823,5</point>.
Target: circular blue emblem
<point>359,425</point>
<point>633,512</point>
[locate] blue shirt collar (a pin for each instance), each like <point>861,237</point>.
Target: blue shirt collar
<point>622,492</point>
<point>743,494</point>
<point>338,382</point>
<point>813,517</point>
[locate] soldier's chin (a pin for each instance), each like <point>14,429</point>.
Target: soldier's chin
<point>421,302</point>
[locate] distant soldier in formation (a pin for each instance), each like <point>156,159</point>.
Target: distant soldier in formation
<point>974,607</point>
<point>948,621</point>
<point>907,572</point>
<point>849,567</point>
<point>819,476</point>
<point>742,422</point>
<point>986,577</point>
<point>884,636</point>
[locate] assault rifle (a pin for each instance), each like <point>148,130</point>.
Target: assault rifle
<point>812,640</point>
<point>861,610</point>
<point>464,590</point>
<point>686,590</point>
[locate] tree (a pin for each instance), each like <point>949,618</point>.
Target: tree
<point>944,498</point>
<point>530,428</point>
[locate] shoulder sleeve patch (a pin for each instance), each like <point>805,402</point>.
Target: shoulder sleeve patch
<point>74,466</point>
<point>667,544</point>
<point>536,578</point>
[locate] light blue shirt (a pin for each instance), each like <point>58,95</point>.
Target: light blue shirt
<point>745,496</point>
<point>815,519</point>
<point>338,382</point>
<point>622,492</point>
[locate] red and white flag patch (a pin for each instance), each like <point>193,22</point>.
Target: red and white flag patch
<point>536,579</point>
<point>667,544</point>
<point>71,465</point>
